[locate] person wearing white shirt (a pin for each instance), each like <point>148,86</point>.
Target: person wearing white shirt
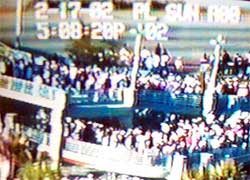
<point>145,53</point>
<point>156,60</point>
<point>149,63</point>
<point>243,90</point>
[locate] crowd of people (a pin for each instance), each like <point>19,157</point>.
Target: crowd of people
<point>158,70</point>
<point>177,133</point>
<point>65,76</point>
<point>189,84</point>
<point>234,86</point>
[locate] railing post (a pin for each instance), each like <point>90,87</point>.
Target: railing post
<point>55,138</point>
<point>18,22</point>
<point>208,101</point>
<point>56,134</point>
<point>205,158</point>
<point>177,167</point>
<point>136,62</point>
<point>4,168</point>
<point>129,97</point>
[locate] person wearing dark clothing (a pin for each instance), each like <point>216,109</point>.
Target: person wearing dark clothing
<point>88,134</point>
<point>19,69</point>
<point>240,65</point>
<point>107,84</point>
<point>225,60</point>
<point>28,72</point>
<point>230,89</point>
<point>9,68</point>
<point>158,50</point>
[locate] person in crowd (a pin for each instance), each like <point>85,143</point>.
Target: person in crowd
<point>9,66</point>
<point>125,55</point>
<point>204,63</point>
<point>28,71</point>
<point>88,134</point>
<point>42,120</point>
<point>19,69</point>
<point>225,60</point>
<point>178,64</point>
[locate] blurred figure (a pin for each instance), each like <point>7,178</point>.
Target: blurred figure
<point>178,63</point>
<point>225,60</point>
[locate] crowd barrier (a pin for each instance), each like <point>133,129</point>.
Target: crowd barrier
<point>106,152</point>
<point>163,100</point>
<point>94,97</point>
<point>32,92</point>
<point>228,104</point>
<point>197,160</point>
<point>232,152</point>
<point>110,159</point>
<point>27,87</point>
<point>144,98</point>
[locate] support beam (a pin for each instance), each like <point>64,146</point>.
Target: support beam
<point>19,4</point>
<point>208,98</point>
<point>136,61</point>
<point>55,138</point>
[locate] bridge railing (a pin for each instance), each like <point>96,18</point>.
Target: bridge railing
<point>165,99</point>
<point>94,97</point>
<point>31,92</point>
<point>106,152</point>
<point>198,159</point>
